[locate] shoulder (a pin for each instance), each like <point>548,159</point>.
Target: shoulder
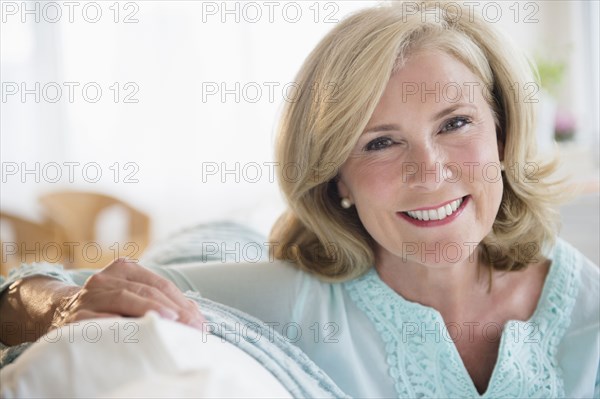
<point>576,291</point>
<point>587,304</point>
<point>578,349</point>
<point>584,276</point>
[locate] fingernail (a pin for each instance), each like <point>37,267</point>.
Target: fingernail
<point>169,314</point>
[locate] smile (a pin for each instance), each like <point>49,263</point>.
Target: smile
<point>436,216</point>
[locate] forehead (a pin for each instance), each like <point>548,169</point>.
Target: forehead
<point>428,65</point>
<point>429,78</point>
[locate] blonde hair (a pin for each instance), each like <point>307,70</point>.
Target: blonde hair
<point>352,66</point>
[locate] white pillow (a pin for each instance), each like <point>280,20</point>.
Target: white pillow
<point>136,357</point>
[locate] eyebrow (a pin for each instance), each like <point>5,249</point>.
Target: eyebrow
<point>451,109</point>
<point>388,127</point>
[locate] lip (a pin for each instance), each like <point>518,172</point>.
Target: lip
<point>434,223</point>
<point>435,206</point>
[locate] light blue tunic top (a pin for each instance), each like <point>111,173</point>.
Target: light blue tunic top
<point>374,343</point>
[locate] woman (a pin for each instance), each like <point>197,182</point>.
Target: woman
<point>419,252</point>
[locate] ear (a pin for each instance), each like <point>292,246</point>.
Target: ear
<point>343,190</point>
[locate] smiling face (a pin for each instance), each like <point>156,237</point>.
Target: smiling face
<point>425,176</point>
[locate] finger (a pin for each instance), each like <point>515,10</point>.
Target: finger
<point>189,314</point>
<point>126,303</point>
<point>134,272</point>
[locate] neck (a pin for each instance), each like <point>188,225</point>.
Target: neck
<point>451,289</point>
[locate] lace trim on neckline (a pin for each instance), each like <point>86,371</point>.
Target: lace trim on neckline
<point>420,366</point>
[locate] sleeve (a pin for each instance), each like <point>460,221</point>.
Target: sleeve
<point>75,277</point>
<point>55,271</point>
<point>229,263</point>
<point>266,290</point>
<point>250,287</point>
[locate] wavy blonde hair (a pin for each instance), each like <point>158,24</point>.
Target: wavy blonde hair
<point>341,83</point>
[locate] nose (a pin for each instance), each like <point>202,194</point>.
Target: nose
<point>424,168</point>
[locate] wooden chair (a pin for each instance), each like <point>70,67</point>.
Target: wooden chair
<point>76,213</point>
<point>31,242</point>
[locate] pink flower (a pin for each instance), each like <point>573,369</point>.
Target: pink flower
<point>564,121</point>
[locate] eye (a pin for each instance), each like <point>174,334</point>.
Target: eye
<point>456,123</point>
<point>378,144</point>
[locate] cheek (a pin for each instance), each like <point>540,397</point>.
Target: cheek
<point>477,160</point>
<point>484,177</point>
<point>487,204</point>
<point>372,182</point>
<point>478,151</point>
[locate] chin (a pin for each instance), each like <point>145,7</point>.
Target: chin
<point>443,253</point>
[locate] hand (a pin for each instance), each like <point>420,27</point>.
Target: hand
<point>125,288</point>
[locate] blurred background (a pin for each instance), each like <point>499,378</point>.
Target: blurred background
<point>122,122</point>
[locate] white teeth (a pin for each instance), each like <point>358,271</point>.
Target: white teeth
<point>448,209</point>
<point>416,214</point>
<point>433,215</point>
<point>441,212</point>
<point>436,214</point>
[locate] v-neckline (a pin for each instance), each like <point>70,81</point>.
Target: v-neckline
<point>433,314</point>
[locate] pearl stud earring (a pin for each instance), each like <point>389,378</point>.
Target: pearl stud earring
<point>346,203</point>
